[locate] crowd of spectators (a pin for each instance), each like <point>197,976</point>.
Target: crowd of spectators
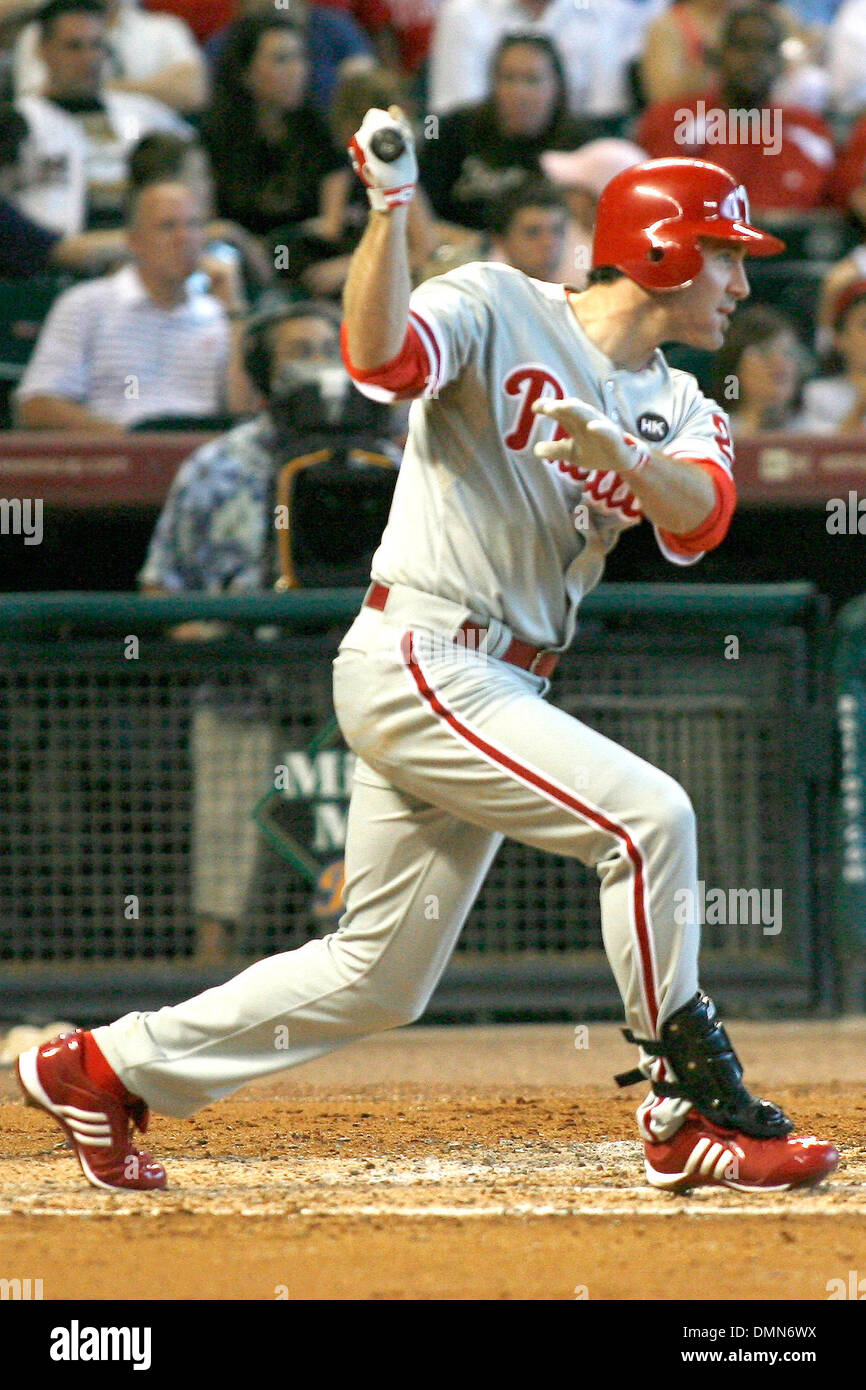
<point>181,158</point>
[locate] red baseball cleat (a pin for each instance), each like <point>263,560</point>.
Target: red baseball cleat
<point>701,1154</point>
<point>98,1124</point>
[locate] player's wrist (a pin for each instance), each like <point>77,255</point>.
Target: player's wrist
<point>389,224</point>
<point>634,455</point>
<point>389,200</point>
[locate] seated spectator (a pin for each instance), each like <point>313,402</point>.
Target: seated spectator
<point>680,54</point>
<point>140,345</point>
<point>160,157</point>
<point>581,175</point>
<point>528,227</point>
<point>330,38</point>
<point>783,155</point>
<point>80,133</point>
<point>758,374</point>
<point>28,248</point>
<point>837,403</point>
<point>477,153</point>
<point>150,55</point>
<point>198,543</point>
<point>261,120</point>
<point>597,43</point>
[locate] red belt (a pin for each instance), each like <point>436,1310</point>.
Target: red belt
<point>538,660</point>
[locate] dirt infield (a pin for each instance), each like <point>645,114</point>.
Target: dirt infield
<point>482,1163</point>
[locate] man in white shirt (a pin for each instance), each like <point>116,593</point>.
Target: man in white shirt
<point>153,55</point>
<point>598,43</point>
<point>74,161</point>
<point>139,344</point>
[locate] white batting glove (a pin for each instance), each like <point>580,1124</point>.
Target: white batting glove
<point>389,182</point>
<point>606,446</point>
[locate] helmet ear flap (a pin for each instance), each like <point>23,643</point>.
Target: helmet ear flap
<point>688,262</point>
<point>669,264</point>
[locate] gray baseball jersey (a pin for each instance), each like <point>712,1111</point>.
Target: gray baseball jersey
<point>477,517</point>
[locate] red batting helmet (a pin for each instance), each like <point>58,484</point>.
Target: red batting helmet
<point>649,219</point>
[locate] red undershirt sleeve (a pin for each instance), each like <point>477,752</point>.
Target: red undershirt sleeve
<point>405,376</point>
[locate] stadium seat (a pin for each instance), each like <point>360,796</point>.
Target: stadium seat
<point>317,490</point>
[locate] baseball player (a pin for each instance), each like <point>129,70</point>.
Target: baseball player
<point>544,423</point>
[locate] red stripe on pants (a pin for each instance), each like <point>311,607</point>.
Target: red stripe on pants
<point>535,779</point>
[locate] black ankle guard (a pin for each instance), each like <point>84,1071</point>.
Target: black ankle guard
<point>708,1071</point>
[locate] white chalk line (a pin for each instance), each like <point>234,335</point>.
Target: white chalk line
<point>641,1206</point>
<point>542,1185</point>
<point>832,1200</point>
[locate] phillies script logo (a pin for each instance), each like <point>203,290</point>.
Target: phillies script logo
<point>529,383</point>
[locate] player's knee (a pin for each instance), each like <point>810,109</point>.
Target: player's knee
<point>673,814</point>
<point>376,999</point>
<point>395,1013</point>
<point>410,1011</point>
